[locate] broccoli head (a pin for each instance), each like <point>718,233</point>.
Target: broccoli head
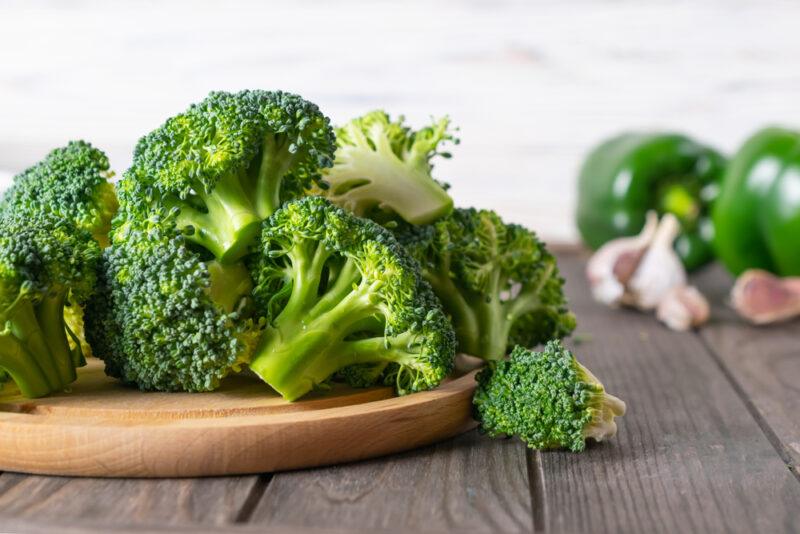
<point>343,298</point>
<point>71,183</point>
<point>546,398</point>
<point>383,168</point>
<point>166,316</point>
<point>45,262</point>
<point>497,281</point>
<point>228,162</point>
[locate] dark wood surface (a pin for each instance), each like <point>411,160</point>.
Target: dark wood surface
<point>711,443</point>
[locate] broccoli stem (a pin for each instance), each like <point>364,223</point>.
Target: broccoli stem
<point>23,367</point>
<point>50,313</point>
<point>230,224</point>
<point>462,313</point>
<point>229,284</point>
<point>25,327</point>
<point>300,350</point>
<point>276,159</point>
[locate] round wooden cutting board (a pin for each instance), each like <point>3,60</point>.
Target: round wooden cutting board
<point>101,428</point>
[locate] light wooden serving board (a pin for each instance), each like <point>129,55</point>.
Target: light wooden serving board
<point>101,428</point>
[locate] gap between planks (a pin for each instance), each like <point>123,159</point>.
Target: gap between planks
<point>253,498</point>
<point>538,491</point>
<point>754,412</point>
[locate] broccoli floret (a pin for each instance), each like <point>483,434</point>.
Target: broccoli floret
<point>228,162</point>
<point>343,298</point>
<point>383,168</point>
<point>546,398</point>
<point>44,263</point>
<point>166,316</point>
<point>497,281</point>
<point>71,183</point>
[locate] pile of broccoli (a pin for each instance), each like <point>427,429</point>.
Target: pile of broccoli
<point>249,234</point>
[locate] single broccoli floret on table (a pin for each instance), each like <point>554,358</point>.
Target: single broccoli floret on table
<point>228,162</point>
<point>71,183</point>
<point>548,399</point>
<point>167,316</point>
<point>383,168</point>
<point>44,263</point>
<point>343,298</point>
<point>497,281</point>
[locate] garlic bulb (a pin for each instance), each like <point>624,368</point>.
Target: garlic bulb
<point>613,265</point>
<point>660,269</point>
<point>761,297</point>
<point>682,308</point>
<point>638,271</point>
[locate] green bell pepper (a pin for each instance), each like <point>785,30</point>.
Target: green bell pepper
<point>757,214</point>
<point>632,173</point>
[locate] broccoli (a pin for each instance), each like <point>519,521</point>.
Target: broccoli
<point>546,398</point>
<point>45,262</point>
<point>343,298</point>
<point>228,162</point>
<point>383,168</point>
<point>71,183</point>
<point>497,281</point>
<point>167,316</point>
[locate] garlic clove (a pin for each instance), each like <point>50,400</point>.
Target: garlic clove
<point>761,297</point>
<point>682,308</point>
<point>611,267</point>
<point>660,269</point>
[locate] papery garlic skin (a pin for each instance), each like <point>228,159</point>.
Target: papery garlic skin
<point>611,267</point>
<point>660,269</point>
<point>682,308</point>
<point>761,297</point>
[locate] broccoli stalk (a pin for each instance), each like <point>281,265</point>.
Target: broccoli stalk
<point>227,222</point>
<point>342,296</point>
<point>546,398</point>
<point>385,166</point>
<point>227,163</point>
<point>497,281</point>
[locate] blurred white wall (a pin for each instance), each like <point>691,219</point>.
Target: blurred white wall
<point>532,84</point>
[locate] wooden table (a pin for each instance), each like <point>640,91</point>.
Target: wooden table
<point>711,443</point>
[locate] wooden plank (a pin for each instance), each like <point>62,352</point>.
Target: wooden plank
<point>125,502</point>
<point>688,458</point>
<point>470,483</point>
<point>89,526</point>
<point>762,361</point>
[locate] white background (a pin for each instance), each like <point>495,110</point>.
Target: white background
<point>532,84</point>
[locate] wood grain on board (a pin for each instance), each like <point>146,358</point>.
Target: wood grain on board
<point>101,428</point>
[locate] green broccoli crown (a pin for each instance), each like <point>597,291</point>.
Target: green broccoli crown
<point>546,398</point>
<point>343,297</point>
<point>44,262</point>
<point>228,162</point>
<point>159,319</point>
<point>383,167</point>
<point>71,183</point>
<point>497,281</point>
